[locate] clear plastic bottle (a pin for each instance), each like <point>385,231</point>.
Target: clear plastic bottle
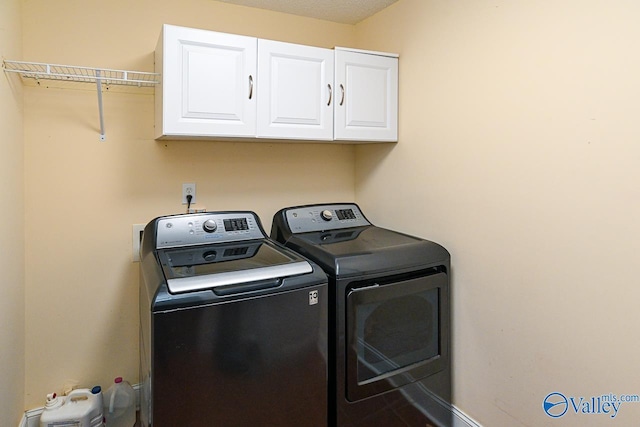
<point>120,404</point>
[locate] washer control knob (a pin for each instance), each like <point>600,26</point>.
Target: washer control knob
<point>209,226</point>
<point>326,215</point>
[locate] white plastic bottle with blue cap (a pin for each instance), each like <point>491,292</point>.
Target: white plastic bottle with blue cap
<point>120,404</point>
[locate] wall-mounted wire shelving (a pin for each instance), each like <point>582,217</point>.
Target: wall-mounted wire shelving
<point>72,73</point>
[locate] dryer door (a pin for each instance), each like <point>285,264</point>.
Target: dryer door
<point>396,334</point>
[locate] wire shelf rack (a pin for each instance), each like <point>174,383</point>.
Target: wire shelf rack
<point>72,73</point>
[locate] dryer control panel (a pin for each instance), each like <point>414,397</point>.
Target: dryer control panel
<point>325,217</point>
<point>205,228</point>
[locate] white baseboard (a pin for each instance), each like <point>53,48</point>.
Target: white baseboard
<point>460,419</point>
<point>31,418</point>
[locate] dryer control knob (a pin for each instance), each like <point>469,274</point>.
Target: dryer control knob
<point>326,215</point>
<point>209,226</point>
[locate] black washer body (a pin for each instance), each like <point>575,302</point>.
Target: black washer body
<point>372,268</point>
<point>231,334</point>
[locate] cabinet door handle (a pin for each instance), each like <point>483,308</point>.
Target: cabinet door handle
<point>342,89</point>
<point>330,94</point>
<point>250,86</point>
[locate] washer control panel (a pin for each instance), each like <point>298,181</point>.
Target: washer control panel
<point>325,217</point>
<point>209,227</point>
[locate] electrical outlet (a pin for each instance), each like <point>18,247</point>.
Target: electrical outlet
<point>188,189</point>
<point>136,239</point>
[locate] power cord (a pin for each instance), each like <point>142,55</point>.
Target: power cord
<point>189,197</point>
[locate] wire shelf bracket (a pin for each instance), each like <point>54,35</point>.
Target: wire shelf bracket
<point>72,73</point>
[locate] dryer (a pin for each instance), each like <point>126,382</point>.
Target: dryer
<point>389,316</point>
<point>233,326</point>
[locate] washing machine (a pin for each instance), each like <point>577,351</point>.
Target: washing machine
<point>233,326</point>
<point>389,316</point>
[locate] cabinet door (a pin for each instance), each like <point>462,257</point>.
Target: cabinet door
<point>295,91</point>
<point>366,107</point>
<point>207,84</point>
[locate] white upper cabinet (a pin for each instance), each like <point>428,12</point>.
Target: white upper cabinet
<point>208,84</point>
<point>366,107</point>
<point>219,86</point>
<point>295,91</point>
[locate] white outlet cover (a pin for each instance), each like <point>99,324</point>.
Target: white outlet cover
<point>136,239</point>
<point>189,188</point>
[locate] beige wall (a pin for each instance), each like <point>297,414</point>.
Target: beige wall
<point>83,196</point>
<point>519,151</point>
<point>12,296</point>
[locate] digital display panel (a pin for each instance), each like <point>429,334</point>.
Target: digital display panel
<point>236,224</point>
<point>345,214</point>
